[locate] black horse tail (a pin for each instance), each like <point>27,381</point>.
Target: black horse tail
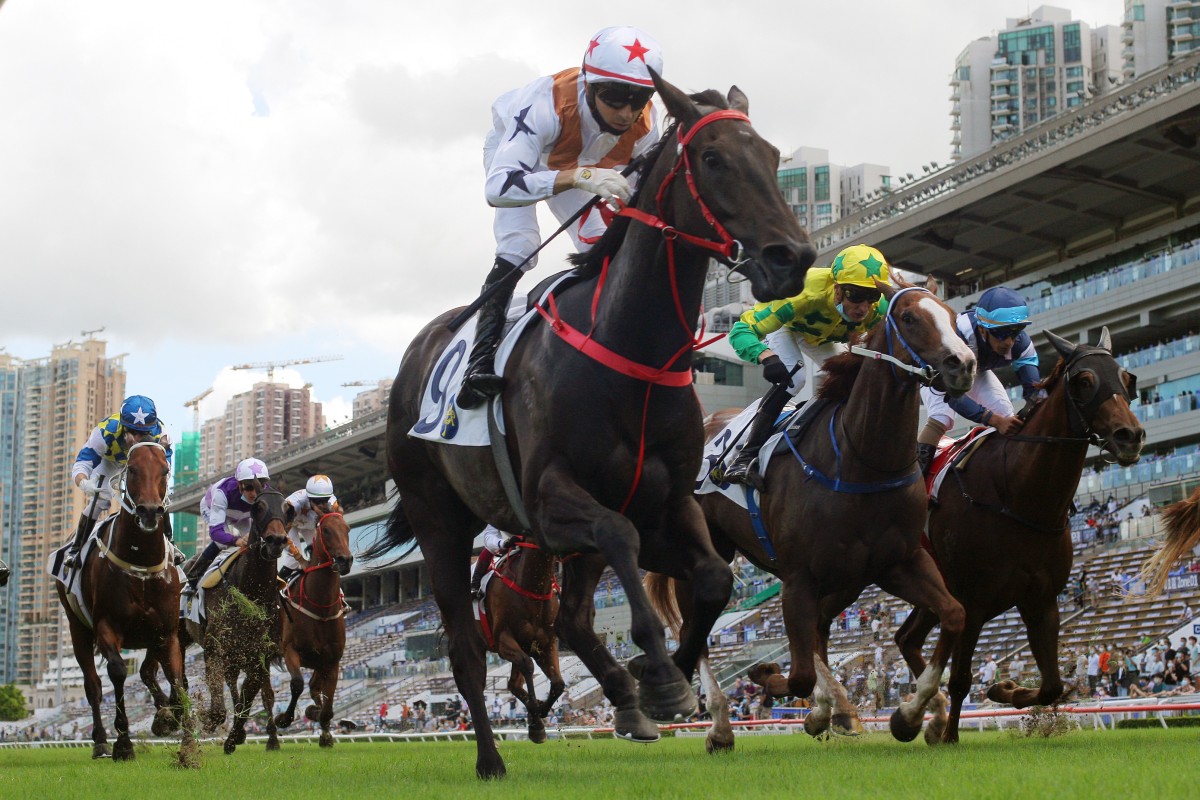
<point>399,532</point>
<point>661,590</point>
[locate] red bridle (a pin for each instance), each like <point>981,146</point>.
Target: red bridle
<point>726,247</point>
<point>318,537</point>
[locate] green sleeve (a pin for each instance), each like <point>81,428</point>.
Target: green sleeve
<point>745,342</point>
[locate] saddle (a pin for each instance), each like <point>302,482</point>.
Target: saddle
<point>952,453</point>
<point>216,573</point>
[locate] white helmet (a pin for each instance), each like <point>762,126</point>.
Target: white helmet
<point>319,487</point>
<point>250,468</point>
<point>624,55</point>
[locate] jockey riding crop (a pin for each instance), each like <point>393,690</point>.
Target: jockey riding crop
<point>467,312</point>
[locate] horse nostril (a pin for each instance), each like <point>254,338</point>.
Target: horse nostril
<point>952,363</point>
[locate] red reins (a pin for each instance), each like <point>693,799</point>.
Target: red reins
<point>328,562</point>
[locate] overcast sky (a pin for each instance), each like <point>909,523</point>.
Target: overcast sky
<point>228,182</point>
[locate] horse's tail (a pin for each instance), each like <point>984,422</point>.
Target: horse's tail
<point>661,589</point>
<point>399,531</point>
<point>1182,521</point>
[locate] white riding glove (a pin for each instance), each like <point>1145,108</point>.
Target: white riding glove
<point>608,183</point>
<point>90,486</point>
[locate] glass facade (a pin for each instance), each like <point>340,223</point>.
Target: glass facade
<point>1023,46</point>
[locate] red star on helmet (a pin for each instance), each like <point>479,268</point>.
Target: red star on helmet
<point>636,50</point>
<point>592,45</point>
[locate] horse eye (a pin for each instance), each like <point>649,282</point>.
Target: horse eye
<point>711,159</point>
<point>908,318</point>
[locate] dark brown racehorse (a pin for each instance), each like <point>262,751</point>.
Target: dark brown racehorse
<point>314,624</point>
<point>1000,528</point>
<point>845,507</point>
<point>241,632</point>
<point>132,588</point>
<point>604,428</point>
<point>522,605</point>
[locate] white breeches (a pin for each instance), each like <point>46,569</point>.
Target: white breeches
<point>987,391</point>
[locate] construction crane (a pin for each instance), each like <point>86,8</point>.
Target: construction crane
<point>271,366</point>
<point>361,383</point>
<point>89,334</point>
<point>194,405</point>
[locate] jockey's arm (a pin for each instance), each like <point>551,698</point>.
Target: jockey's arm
<point>216,522</point>
<point>89,455</point>
<point>516,175</point>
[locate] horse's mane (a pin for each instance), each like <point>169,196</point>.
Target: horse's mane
<point>841,371</point>
<point>590,262</point>
<point>1048,383</point>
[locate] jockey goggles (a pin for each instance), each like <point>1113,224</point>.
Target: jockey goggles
<point>618,95</point>
<point>1006,332</point>
<point>859,294</point>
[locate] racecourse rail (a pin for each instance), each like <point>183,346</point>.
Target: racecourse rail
<point>1104,717</point>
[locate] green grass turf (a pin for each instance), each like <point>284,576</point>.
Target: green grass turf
<point>1147,763</point>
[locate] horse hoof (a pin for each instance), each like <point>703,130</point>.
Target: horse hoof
<point>902,731</point>
<point>845,725</point>
<point>312,713</point>
<point>1001,692</point>
<point>816,724</point>
<point>933,734</point>
<point>326,740</point>
<point>722,745</point>
<point>637,666</point>
<point>759,673</point>
<point>123,751</point>
<point>238,736</point>
<point>490,769</point>
<point>164,722</point>
<point>272,744</point>
<point>229,747</point>
<point>667,702</point>
<point>631,725</point>
<point>537,735</point>
<point>100,751</point>
<point>283,720</point>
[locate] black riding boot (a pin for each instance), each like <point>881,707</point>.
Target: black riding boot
<point>744,469</point>
<point>481,381</point>
<point>82,529</point>
<point>481,569</point>
<point>198,567</point>
<point>925,454</point>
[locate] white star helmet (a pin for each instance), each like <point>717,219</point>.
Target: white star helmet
<point>623,55</point>
<point>249,469</point>
<point>319,487</point>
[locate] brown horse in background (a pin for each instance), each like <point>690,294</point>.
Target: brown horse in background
<point>1182,521</point>
<point>845,507</point>
<point>314,624</point>
<point>604,429</point>
<point>131,588</point>
<point>242,630</point>
<point>521,607</point>
<point>1000,529</point>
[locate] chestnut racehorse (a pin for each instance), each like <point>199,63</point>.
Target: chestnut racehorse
<point>131,587</point>
<point>314,624</point>
<point>521,607</point>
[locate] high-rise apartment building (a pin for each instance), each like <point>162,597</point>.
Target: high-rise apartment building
<point>1154,32</point>
<point>10,539</point>
<point>256,423</point>
<point>1040,65</point>
<point>55,404</point>
<point>186,467</point>
<point>820,192</point>
<point>372,400</point>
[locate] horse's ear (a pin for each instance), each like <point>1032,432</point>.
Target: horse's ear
<point>1105,339</point>
<point>738,100</point>
<point>888,290</point>
<point>1064,348</point>
<point>678,104</point>
<point>289,514</point>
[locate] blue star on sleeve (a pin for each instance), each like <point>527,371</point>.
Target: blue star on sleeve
<point>516,177</point>
<point>520,126</point>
